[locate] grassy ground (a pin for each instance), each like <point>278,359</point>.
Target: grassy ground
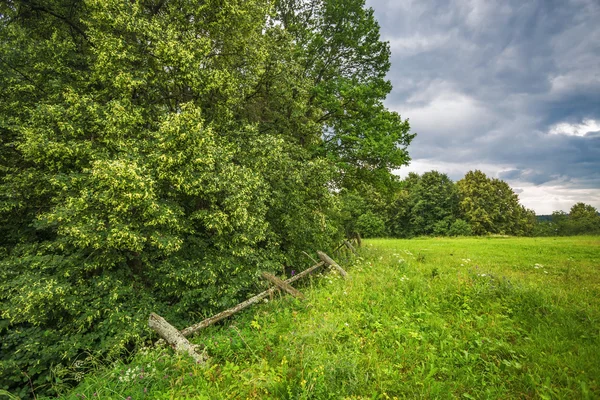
<point>433,318</point>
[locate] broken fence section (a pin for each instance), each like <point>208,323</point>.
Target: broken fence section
<point>177,339</point>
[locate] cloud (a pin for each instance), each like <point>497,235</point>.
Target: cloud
<point>588,126</point>
<point>512,88</point>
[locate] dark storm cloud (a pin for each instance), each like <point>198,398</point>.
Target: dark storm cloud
<point>514,85</point>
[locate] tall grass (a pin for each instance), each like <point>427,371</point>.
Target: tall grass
<point>432,318</point>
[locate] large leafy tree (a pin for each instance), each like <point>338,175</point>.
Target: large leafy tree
<point>345,62</point>
<point>154,155</point>
<point>491,206</point>
<point>582,218</point>
<point>423,205</point>
<point>433,204</point>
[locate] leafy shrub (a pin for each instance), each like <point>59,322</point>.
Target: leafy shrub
<point>440,228</point>
<point>370,225</point>
<point>460,228</point>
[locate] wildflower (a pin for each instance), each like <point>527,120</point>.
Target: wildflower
<point>293,272</point>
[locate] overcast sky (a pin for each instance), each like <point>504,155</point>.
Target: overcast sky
<point>510,87</point>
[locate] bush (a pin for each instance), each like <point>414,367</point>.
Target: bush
<point>370,225</point>
<point>440,228</point>
<point>460,228</point>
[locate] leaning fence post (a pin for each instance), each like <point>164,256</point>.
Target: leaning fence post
<point>329,261</point>
<point>282,285</point>
<point>349,245</point>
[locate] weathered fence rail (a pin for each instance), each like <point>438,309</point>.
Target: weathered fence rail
<point>177,339</point>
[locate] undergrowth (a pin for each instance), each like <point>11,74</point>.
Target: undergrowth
<point>433,318</point>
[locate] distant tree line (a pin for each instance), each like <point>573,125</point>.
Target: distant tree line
<point>581,219</point>
<point>432,204</point>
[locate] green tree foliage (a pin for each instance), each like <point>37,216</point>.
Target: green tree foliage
<point>460,228</point>
<point>343,58</point>
<point>490,206</point>
<point>424,205</point>
<point>370,225</point>
<point>155,155</point>
<point>399,208</point>
<point>581,219</point>
<point>433,204</point>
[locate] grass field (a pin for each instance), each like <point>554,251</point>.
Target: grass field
<point>430,318</point>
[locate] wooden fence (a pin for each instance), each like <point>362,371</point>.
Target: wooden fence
<point>178,339</point>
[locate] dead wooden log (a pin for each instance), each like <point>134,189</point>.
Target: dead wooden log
<point>253,300</point>
<point>174,338</point>
<point>358,240</point>
<point>282,285</point>
<point>329,261</point>
<point>349,245</point>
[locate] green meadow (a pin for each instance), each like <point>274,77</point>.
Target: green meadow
<point>469,318</point>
